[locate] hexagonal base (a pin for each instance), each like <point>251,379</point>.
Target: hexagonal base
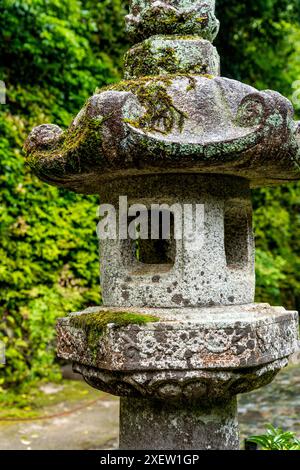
<point>231,337</point>
<point>179,376</point>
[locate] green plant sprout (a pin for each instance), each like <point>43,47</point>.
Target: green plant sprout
<point>276,439</point>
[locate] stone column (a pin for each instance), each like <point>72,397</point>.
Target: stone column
<point>187,426</point>
<point>178,335</point>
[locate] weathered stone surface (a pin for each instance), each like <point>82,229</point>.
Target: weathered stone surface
<point>237,337</point>
<point>180,17</point>
<point>164,125</point>
<point>176,121</point>
<point>202,385</point>
<point>216,267</point>
<point>163,55</point>
<point>174,426</point>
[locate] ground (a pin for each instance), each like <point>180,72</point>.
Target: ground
<point>277,404</point>
<point>75,416</point>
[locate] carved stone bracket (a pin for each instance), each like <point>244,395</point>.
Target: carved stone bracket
<point>192,385</point>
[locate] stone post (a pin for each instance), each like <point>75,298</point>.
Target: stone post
<point>178,335</point>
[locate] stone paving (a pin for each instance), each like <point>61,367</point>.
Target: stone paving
<point>94,424</point>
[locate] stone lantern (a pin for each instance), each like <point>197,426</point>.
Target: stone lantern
<point>178,335</point>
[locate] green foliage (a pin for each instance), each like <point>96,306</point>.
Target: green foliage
<point>257,42</point>
<point>276,439</point>
<point>277,237</point>
<point>52,59</point>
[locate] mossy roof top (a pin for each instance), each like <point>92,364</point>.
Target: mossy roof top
<point>185,124</point>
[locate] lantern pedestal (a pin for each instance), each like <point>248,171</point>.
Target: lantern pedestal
<point>179,373</point>
<point>155,424</point>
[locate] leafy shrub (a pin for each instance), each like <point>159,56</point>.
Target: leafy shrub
<point>276,439</point>
<point>51,61</point>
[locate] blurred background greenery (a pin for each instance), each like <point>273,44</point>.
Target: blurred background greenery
<point>54,53</point>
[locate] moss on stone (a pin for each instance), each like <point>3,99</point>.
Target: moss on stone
<point>159,56</point>
<point>87,134</point>
<point>172,22</point>
<point>192,83</point>
<point>83,139</point>
<point>143,61</point>
<point>64,153</point>
<point>203,20</point>
<point>139,60</point>
<point>161,114</point>
<point>167,59</point>
<point>184,37</point>
<point>94,324</point>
